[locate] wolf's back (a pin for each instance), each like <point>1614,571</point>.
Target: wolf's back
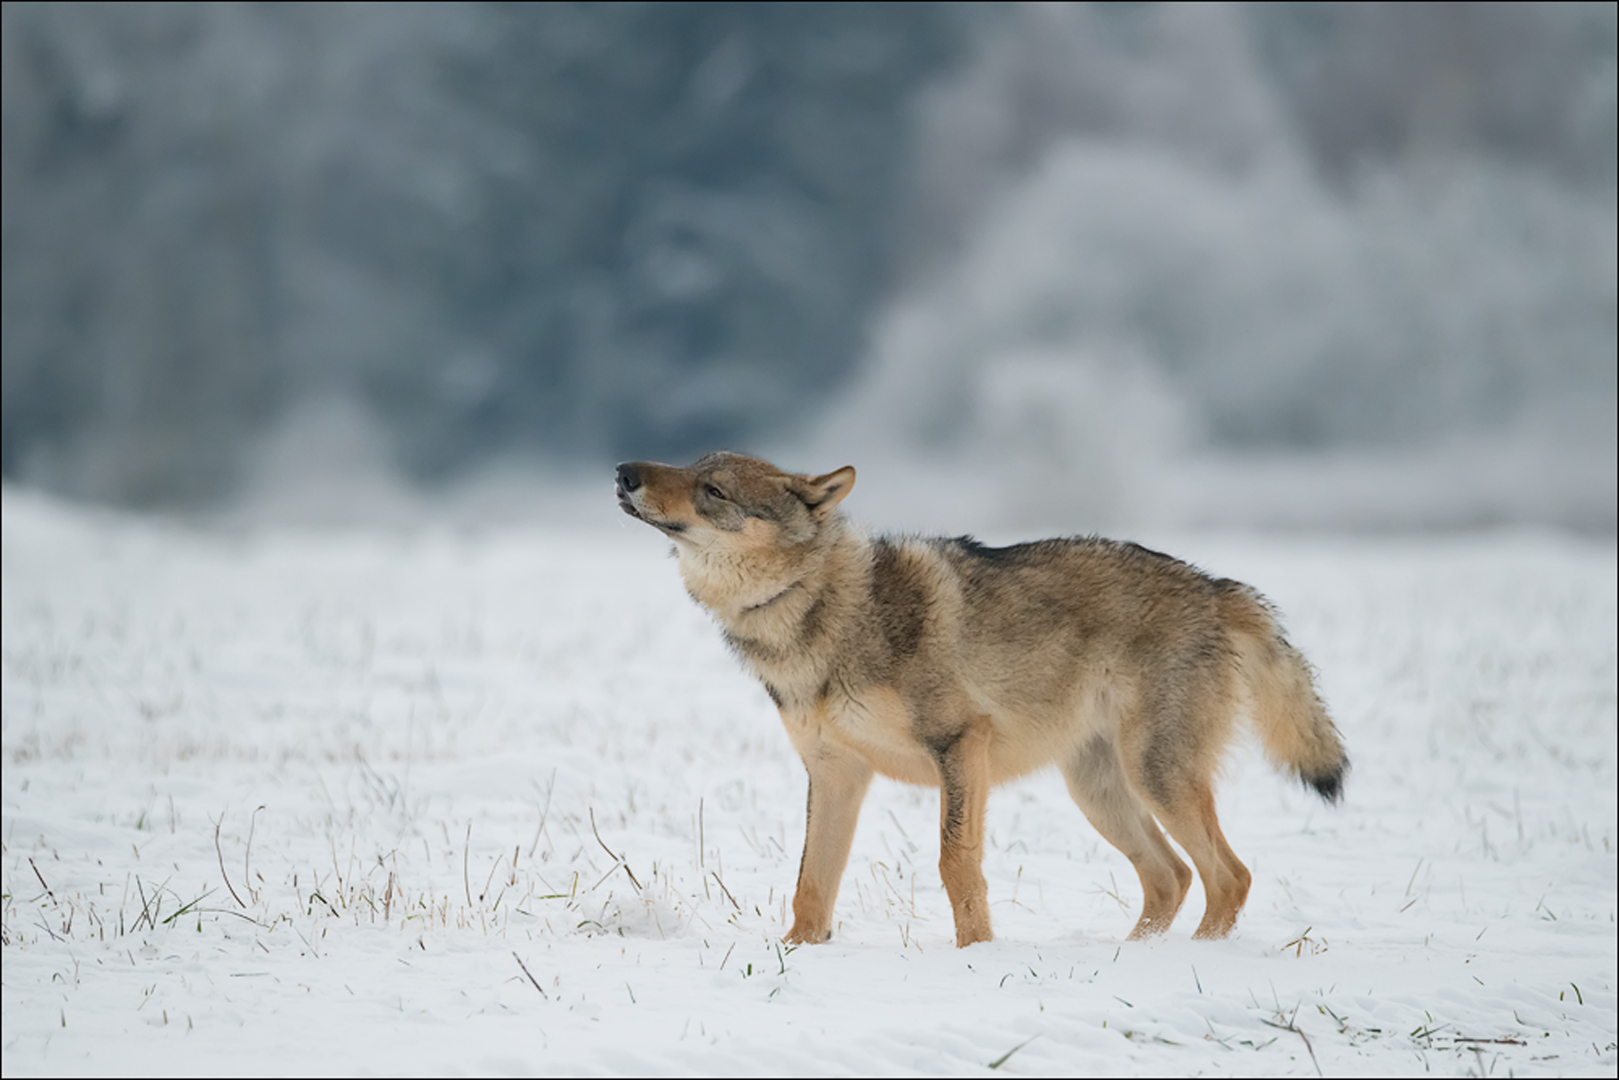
<point>1288,716</point>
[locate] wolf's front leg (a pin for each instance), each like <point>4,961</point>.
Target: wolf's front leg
<point>964,789</point>
<point>837,786</point>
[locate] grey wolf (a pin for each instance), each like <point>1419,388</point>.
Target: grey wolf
<point>947,663</point>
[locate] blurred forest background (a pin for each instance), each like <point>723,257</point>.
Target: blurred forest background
<point>1092,246</point>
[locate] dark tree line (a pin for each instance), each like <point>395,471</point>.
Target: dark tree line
<point>596,230</point>
<point>567,228</point>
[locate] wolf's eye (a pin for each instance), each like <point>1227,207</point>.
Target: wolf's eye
<point>714,492</point>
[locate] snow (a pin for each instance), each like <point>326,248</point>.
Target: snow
<point>283,800</point>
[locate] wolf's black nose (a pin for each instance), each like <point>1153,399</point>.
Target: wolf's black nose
<point>629,477</point>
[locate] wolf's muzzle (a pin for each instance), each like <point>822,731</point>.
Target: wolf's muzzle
<point>628,482</point>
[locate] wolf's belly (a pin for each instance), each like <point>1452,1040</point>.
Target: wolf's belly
<point>876,724</point>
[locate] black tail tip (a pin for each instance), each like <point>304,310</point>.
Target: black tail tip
<point>1330,785</point>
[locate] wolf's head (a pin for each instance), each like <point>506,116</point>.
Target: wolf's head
<point>730,500</point>
<point>742,528</point>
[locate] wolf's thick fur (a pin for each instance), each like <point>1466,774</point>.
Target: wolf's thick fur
<point>947,663</point>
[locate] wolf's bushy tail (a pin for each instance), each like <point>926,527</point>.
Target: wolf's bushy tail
<point>1292,724</point>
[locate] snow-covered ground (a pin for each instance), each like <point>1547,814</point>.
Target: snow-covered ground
<point>490,801</point>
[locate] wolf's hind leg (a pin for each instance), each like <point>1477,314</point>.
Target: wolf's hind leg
<point>1096,781</point>
<point>837,786</point>
<point>1188,813</point>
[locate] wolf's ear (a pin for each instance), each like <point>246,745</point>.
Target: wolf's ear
<point>823,493</point>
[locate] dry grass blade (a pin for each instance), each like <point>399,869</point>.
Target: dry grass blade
<point>193,905</point>
<point>1290,1026</point>
<point>150,909</point>
<point>545,813</point>
<point>41,878</point>
<point>247,857</point>
<point>998,1062</point>
<point>220,852</point>
<point>724,890</point>
<point>530,975</point>
<point>614,857</point>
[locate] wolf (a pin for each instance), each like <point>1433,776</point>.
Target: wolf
<point>946,663</point>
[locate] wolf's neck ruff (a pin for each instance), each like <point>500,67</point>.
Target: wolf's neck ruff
<point>783,639</point>
<point>761,605</point>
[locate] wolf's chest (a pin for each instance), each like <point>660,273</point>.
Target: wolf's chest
<point>875,724</point>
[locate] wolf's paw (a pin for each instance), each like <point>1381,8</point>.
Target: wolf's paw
<point>802,934</point>
<point>966,936</point>
<point>1214,929</point>
<point>972,920</point>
